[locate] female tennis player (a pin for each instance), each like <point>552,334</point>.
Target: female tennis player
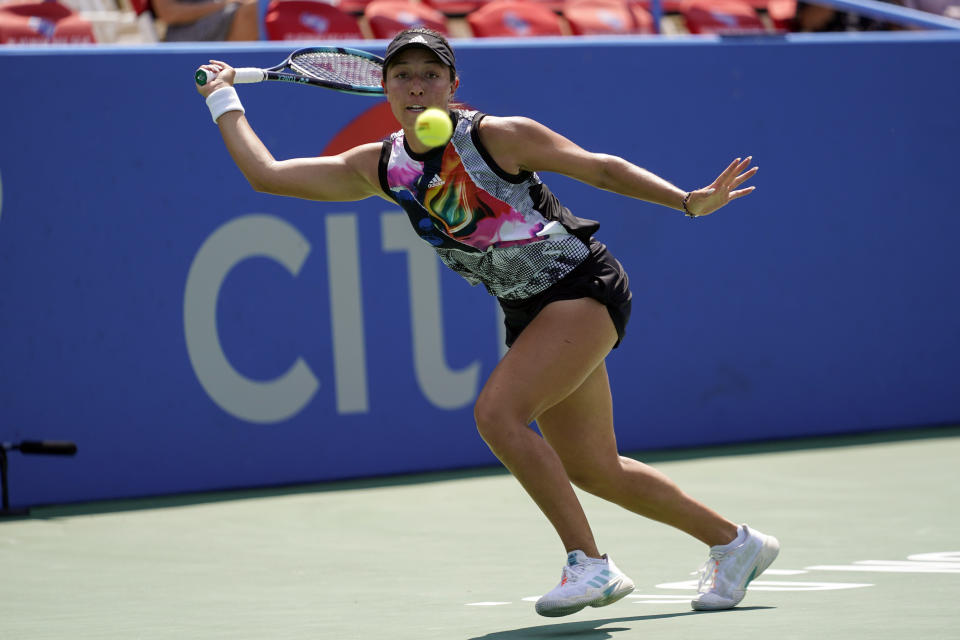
<point>479,201</point>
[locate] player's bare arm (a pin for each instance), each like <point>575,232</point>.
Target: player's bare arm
<point>518,143</point>
<point>349,176</point>
<point>345,177</point>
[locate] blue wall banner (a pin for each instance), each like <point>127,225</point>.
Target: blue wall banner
<point>190,334</point>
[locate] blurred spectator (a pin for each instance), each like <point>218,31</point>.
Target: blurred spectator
<point>946,8</point>
<point>208,20</point>
<point>816,17</point>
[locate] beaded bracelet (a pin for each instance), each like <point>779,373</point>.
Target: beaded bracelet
<point>683,203</point>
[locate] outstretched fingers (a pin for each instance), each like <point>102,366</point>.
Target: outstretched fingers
<point>740,193</point>
<point>723,180</point>
<point>743,177</point>
<point>705,201</point>
<point>735,172</point>
<point>735,175</point>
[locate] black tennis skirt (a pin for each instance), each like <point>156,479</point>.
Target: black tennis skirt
<point>600,276</point>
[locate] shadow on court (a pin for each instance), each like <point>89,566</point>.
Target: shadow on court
<point>588,629</point>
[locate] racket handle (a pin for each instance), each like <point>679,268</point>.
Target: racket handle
<point>249,75</point>
<point>244,75</point>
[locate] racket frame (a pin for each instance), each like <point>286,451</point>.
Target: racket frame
<point>283,72</point>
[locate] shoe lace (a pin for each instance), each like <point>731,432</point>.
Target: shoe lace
<point>573,572</point>
<point>708,572</point>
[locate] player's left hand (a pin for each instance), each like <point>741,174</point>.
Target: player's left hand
<point>224,77</point>
<point>703,202</point>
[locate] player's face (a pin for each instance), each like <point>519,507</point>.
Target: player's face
<point>416,80</point>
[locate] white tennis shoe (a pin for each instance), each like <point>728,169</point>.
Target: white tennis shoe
<point>594,582</point>
<point>730,568</point>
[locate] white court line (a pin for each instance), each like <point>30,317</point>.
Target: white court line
<point>784,572</point>
<point>939,556</point>
<point>774,585</point>
<point>880,566</point>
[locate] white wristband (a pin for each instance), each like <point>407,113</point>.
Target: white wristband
<point>222,100</point>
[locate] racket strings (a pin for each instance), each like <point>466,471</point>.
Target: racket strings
<point>342,68</point>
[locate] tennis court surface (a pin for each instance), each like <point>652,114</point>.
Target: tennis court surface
<point>869,529</point>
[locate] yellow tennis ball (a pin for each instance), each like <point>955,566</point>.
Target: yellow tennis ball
<point>433,127</point>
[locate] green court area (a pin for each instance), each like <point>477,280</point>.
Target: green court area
<point>869,529</point>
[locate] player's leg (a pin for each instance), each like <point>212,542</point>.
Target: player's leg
<point>550,359</point>
<point>580,429</point>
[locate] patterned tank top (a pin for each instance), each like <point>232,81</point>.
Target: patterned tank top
<point>508,232</point>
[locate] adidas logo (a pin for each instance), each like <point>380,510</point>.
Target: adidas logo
<point>418,40</point>
<point>435,181</point>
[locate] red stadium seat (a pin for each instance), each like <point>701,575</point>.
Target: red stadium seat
<point>455,7</point>
<point>599,17</point>
<point>43,23</point>
<point>721,16</point>
<point>309,20</point>
<point>387,18</point>
<point>514,18</point>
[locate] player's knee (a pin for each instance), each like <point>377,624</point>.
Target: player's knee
<point>486,415</point>
<point>597,479</point>
<point>587,479</point>
<point>494,420</point>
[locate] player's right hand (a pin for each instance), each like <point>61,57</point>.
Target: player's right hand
<point>223,73</point>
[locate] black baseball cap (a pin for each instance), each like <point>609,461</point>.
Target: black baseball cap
<point>422,39</point>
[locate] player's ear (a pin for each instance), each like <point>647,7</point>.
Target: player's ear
<point>456,85</point>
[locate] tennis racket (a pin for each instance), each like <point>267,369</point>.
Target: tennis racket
<point>338,68</point>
